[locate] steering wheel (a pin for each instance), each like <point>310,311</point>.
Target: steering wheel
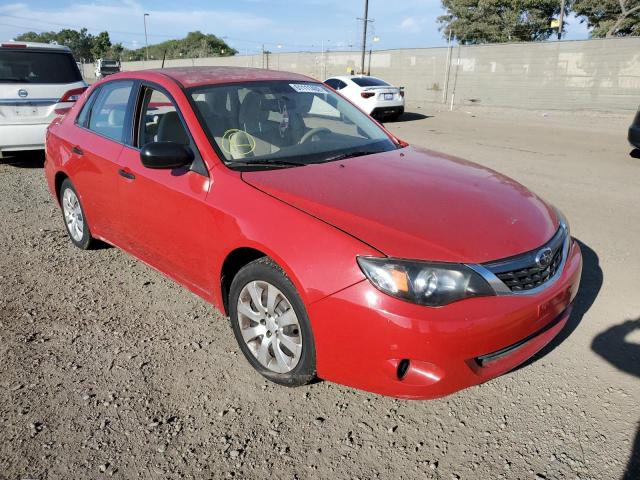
<point>312,133</point>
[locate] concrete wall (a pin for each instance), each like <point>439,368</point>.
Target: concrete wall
<point>601,74</point>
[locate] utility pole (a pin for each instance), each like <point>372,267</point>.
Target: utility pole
<point>561,19</point>
<point>263,55</point>
<point>365,21</point>
<point>146,40</point>
<point>445,90</point>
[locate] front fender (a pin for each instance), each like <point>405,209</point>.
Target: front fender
<point>318,258</point>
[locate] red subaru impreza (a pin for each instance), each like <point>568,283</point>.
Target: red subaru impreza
<point>336,249</point>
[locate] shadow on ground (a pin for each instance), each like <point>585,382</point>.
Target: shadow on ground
<point>409,117</point>
<point>613,346</point>
<point>26,159</point>
<point>590,285</point>
<point>635,153</point>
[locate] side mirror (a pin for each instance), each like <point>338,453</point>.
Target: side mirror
<point>165,155</point>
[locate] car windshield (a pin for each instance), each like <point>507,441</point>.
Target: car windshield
<point>369,82</point>
<point>286,123</point>
<point>29,66</point>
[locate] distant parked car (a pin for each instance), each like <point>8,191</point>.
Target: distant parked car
<point>634,131</point>
<point>374,96</point>
<point>37,82</point>
<point>336,249</point>
<point>105,67</point>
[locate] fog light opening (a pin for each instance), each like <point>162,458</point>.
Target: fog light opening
<point>403,368</point>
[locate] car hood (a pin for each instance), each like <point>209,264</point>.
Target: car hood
<point>419,204</point>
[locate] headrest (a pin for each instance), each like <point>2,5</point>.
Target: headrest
<point>170,129</point>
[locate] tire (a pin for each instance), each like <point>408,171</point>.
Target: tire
<point>274,336</point>
<point>73,215</point>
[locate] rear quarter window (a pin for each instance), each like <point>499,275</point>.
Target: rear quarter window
<point>32,66</point>
<point>369,82</point>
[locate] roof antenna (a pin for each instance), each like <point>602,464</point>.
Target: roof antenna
<point>164,55</point>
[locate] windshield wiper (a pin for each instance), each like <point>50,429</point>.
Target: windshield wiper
<point>262,163</point>
<point>343,156</point>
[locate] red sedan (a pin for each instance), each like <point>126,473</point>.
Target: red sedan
<point>337,250</point>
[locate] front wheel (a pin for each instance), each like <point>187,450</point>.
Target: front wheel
<point>271,324</point>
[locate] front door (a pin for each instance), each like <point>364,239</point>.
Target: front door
<point>164,210</point>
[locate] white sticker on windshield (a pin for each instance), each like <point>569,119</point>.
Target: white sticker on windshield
<point>307,88</point>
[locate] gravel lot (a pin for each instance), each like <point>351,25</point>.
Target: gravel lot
<point>108,369</point>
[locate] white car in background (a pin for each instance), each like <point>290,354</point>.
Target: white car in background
<point>374,96</point>
<point>37,82</point>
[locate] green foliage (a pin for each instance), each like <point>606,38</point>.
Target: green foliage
<point>83,45</point>
<point>607,18</point>
<point>194,45</point>
<point>492,21</point>
<point>101,45</point>
<point>88,47</point>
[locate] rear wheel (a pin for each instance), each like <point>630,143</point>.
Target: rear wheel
<point>271,324</point>
<point>74,219</point>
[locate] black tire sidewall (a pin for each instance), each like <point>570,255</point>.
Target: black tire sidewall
<point>264,269</point>
<point>85,242</point>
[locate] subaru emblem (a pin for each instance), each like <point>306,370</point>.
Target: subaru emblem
<point>544,257</point>
<point>22,93</point>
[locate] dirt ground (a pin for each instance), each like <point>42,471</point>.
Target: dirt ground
<point>107,369</point>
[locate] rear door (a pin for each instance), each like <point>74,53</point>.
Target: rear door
<point>32,82</point>
<point>164,210</point>
<point>95,143</point>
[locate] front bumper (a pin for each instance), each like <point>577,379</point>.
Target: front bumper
<point>22,136</point>
<point>362,336</point>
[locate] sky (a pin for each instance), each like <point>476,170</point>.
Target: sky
<point>287,25</point>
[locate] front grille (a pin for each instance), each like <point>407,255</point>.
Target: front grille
<point>522,272</point>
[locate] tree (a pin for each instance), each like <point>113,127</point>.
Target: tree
<point>195,44</point>
<point>101,45</point>
<point>610,18</point>
<point>87,47</point>
<point>80,42</point>
<point>492,21</point>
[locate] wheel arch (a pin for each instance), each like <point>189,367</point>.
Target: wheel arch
<point>234,261</point>
<point>57,182</point>
<point>241,256</point>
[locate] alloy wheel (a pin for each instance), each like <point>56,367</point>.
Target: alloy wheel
<point>269,326</point>
<point>73,214</point>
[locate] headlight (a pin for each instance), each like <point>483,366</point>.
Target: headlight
<point>432,284</point>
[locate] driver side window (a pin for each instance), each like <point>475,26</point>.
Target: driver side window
<point>159,120</point>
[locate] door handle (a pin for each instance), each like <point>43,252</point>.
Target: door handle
<point>125,174</point>
<point>77,150</point>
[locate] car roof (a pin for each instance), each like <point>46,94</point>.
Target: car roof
<point>34,45</point>
<point>198,76</point>
<point>349,77</point>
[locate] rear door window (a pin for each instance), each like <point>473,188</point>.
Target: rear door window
<point>109,112</point>
<point>83,117</point>
<point>33,66</point>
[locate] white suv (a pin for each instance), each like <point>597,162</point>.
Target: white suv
<point>37,82</point>
<point>376,97</point>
